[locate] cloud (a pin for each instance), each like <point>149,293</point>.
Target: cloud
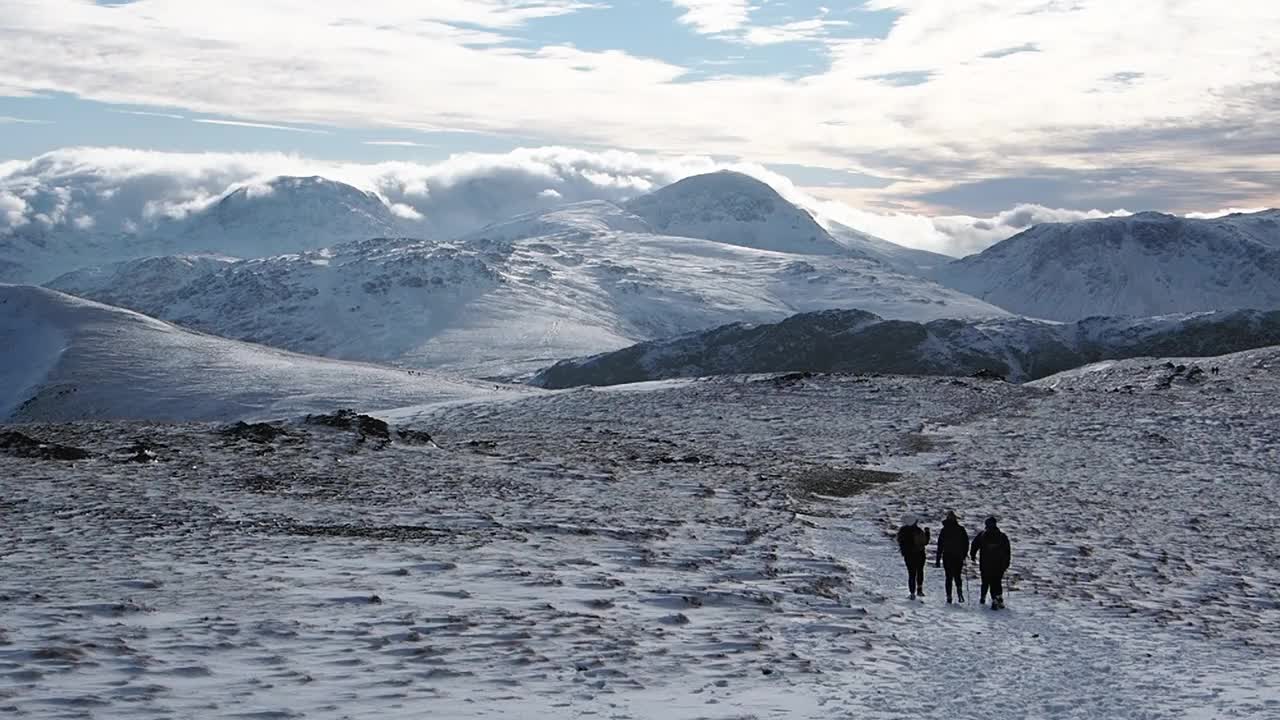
<point>985,111</point>
<point>13,210</point>
<point>1215,214</point>
<point>146,113</point>
<point>113,190</point>
<point>713,16</point>
<point>264,126</point>
<point>397,143</point>
<point>798,31</point>
<point>11,120</point>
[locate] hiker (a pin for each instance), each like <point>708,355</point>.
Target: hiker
<point>993,545</point>
<point>913,541</point>
<point>953,543</point>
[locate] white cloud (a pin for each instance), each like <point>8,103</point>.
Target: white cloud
<point>262,126</point>
<point>397,143</point>
<point>980,114</point>
<point>789,32</point>
<point>405,212</point>
<point>146,113</point>
<point>713,16</point>
<point>11,120</point>
<point>1223,213</point>
<point>120,190</point>
<point>13,210</point>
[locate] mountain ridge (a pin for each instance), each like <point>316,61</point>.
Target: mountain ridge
<point>862,342</point>
<point>1139,265</point>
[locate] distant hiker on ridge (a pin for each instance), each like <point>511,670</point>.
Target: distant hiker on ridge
<point>953,544</point>
<point>913,542</point>
<point>993,545</point>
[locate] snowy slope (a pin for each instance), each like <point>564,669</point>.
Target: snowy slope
<point>737,209</point>
<point>1165,372</point>
<point>516,296</point>
<point>685,550</point>
<point>67,358</point>
<point>286,214</point>
<point>141,281</point>
<point>857,341</point>
<point>1144,264</point>
<point>909,261</point>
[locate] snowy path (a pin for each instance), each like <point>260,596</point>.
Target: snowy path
<point>1039,658</point>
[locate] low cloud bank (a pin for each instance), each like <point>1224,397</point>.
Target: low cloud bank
<point>115,190</point>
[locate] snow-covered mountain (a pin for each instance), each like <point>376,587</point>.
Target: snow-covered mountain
<point>284,215</point>
<point>910,261</point>
<point>1144,264</point>
<point>139,282</point>
<point>287,215</point>
<point>857,341</point>
<point>516,296</point>
<point>67,359</point>
<point>735,209</point>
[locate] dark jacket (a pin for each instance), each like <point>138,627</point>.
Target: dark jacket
<point>912,540</point>
<point>993,545</point>
<point>953,541</point>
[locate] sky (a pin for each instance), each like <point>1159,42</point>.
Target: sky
<point>899,107</point>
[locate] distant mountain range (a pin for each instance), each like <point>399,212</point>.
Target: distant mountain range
<point>285,215</point>
<point>319,267</point>
<point>1144,264</point>
<point>861,342</point>
<point>515,296</point>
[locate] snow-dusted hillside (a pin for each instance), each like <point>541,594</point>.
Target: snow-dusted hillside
<point>142,281</point>
<point>909,261</point>
<point>1144,264</point>
<point>736,209</point>
<point>284,215</point>
<point>518,295</point>
<point>66,359</point>
<point>856,341</point>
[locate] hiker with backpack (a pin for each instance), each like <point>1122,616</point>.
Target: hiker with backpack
<point>993,547</point>
<point>953,544</point>
<point>913,541</point>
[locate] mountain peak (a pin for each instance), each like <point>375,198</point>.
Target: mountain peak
<point>734,209</point>
<point>287,214</point>
<point>1145,264</point>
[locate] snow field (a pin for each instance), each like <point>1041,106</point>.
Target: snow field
<point>701,549</point>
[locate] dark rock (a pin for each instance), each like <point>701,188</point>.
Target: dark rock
<point>988,374</point>
<point>790,379</point>
<point>345,419</point>
<point>254,432</point>
<point>415,437</point>
<point>139,452</point>
<point>683,459</point>
<point>19,445</point>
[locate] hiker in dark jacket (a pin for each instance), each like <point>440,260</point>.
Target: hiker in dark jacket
<point>993,546</point>
<point>913,542</point>
<point>953,544</point>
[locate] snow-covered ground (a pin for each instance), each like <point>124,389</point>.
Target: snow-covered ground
<point>64,358</point>
<point>690,549</point>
